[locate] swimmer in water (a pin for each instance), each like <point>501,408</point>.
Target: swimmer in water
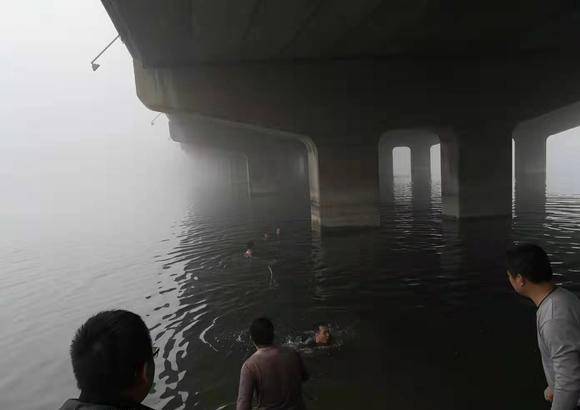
<point>249,249</point>
<point>322,336</point>
<point>266,236</point>
<point>277,231</point>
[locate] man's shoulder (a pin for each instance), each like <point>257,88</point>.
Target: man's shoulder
<point>272,354</point>
<point>565,305</point>
<point>561,311</point>
<point>254,357</point>
<point>564,294</point>
<point>276,354</point>
<point>560,301</point>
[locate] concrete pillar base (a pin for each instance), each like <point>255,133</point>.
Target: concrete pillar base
<point>347,182</point>
<point>476,172</point>
<point>264,175</point>
<point>530,167</point>
<point>386,172</point>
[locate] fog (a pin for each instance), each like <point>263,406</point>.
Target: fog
<point>563,162</point>
<point>76,144</point>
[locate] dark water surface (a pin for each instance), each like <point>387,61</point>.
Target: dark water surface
<point>423,313</point>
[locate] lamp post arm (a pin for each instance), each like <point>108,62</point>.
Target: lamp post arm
<point>105,49</point>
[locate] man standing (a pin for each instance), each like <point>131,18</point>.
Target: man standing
<point>274,373</point>
<point>558,323</point>
<point>112,359</point>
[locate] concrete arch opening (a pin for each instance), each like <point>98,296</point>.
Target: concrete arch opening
<point>220,170</point>
<point>530,157</point>
<point>435,172</point>
<point>563,163</point>
<point>402,175</point>
<point>401,162</point>
<point>410,150</point>
<point>258,161</point>
<point>435,158</point>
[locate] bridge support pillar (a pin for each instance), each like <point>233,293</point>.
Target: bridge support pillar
<point>530,167</point>
<point>421,175</point>
<point>476,172</point>
<point>264,175</point>
<point>386,172</point>
<point>344,184</point>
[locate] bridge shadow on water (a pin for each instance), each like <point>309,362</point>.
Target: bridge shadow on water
<point>422,308</point>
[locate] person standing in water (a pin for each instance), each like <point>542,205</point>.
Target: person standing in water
<point>558,323</point>
<point>274,373</point>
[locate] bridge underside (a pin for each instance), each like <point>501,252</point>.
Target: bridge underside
<point>337,76</point>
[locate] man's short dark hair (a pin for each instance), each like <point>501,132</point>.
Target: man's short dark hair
<point>318,325</point>
<point>262,331</point>
<point>529,261</point>
<point>107,351</point>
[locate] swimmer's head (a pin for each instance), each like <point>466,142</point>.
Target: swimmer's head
<point>322,334</point>
<point>277,231</point>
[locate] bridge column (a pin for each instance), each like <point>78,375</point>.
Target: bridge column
<point>344,184</point>
<point>239,178</point>
<point>264,175</point>
<point>530,167</point>
<point>421,174</point>
<point>386,171</point>
<point>476,172</point>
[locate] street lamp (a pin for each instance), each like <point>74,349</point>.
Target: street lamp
<point>153,120</point>
<point>94,65</point>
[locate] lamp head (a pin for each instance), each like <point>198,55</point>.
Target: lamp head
<point>95,66</point>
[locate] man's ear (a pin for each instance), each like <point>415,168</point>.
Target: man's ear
<point>142,375</point>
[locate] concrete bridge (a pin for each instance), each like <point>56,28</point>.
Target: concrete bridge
<point>351,79</point>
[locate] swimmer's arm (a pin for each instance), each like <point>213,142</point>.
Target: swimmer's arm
<point>246,389</point>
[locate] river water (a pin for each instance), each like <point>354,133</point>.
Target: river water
<point>422,312</point>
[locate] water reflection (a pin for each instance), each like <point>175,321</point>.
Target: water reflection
<point>431,320</point>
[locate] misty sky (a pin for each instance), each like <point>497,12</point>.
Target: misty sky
<point>75,143</point>
<point>73,140</point>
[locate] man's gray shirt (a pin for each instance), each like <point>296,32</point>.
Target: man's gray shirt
<point>558,321</point>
